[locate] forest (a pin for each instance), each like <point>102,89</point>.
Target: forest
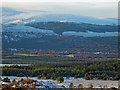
<point>102,70</point>
<point>60,27</point>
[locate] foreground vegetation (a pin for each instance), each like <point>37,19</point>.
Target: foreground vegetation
<point>104,70</point>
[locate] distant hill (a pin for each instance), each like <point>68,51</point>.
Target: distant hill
<point>10,14</point>
<point>60,27</point>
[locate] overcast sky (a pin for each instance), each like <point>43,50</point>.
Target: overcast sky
<point>92,8</point>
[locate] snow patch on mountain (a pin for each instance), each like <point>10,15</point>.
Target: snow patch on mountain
<point>22,28</point>
<point>90,34</point>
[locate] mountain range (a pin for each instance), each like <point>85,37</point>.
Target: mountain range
<point>10,15</point>
<point>23,30</point>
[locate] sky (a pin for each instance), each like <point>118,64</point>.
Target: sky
<point>91,8</point>
<point>61,0</point>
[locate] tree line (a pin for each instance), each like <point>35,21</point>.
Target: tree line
<point>104,70</point>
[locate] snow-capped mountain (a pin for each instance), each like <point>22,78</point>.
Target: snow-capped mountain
<point>14,16</point>
<point>22,28</point>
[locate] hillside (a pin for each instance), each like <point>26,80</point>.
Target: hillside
<point>60,27</point>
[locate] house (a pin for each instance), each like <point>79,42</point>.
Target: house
<point>5,83</point>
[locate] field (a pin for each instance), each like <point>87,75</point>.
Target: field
<point>32,56</point>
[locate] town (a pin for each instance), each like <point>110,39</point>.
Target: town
<point>34,83</point>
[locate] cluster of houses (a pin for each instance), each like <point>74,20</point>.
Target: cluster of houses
<point>28,83</point>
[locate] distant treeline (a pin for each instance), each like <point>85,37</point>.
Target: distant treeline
<point>104,70</point>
